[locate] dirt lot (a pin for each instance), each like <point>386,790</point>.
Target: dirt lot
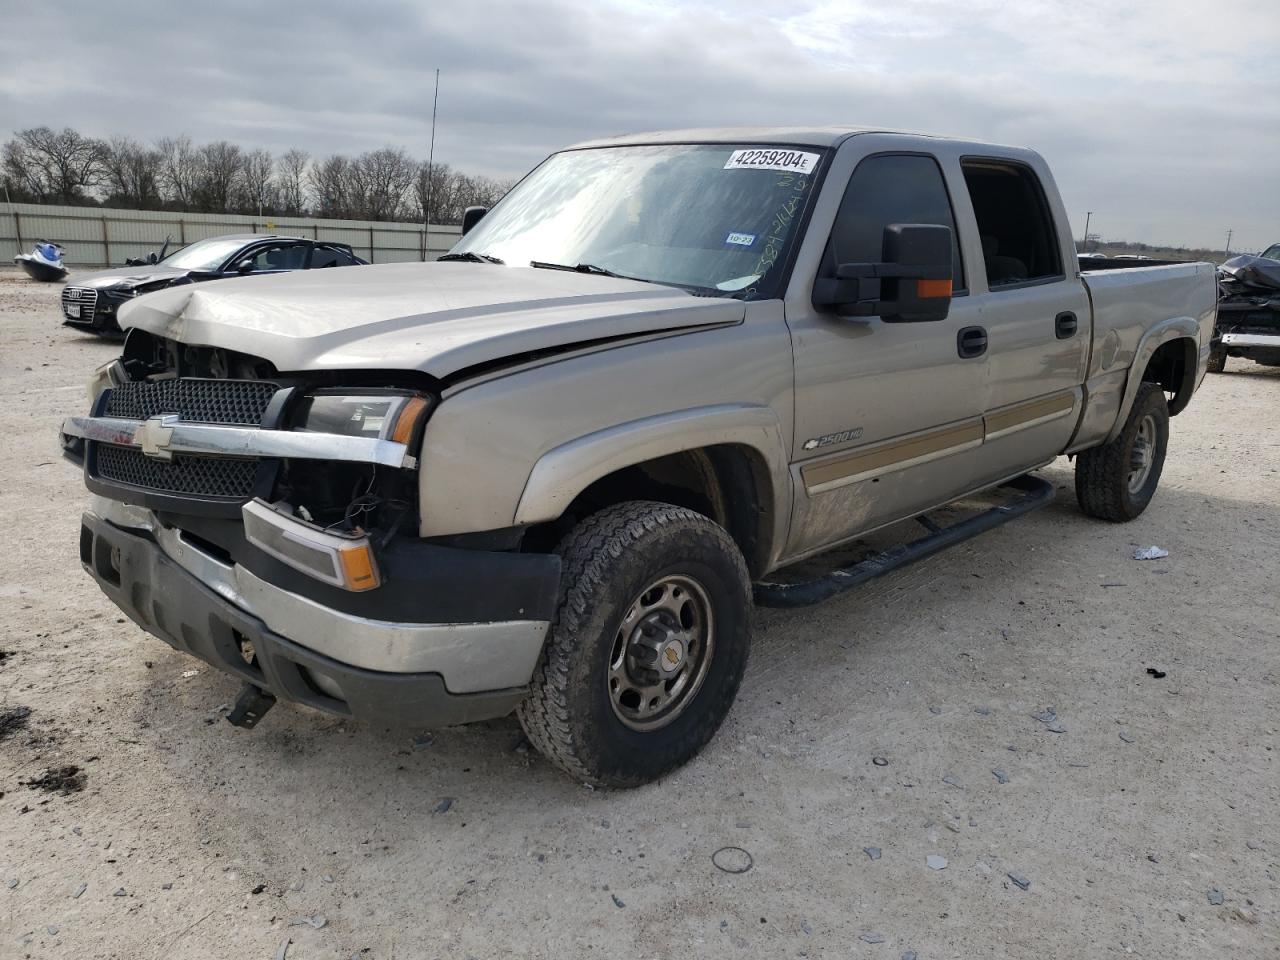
<point>179,836</point>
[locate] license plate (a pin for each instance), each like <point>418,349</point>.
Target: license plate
<point>72,310</point>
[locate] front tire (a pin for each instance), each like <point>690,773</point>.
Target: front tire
<point>648,647</point>
<point>1117,480</point>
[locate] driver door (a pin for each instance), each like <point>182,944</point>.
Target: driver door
<point>885,412</point>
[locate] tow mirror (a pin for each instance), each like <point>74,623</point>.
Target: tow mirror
<point>912,284</point>
<point>471,216</point>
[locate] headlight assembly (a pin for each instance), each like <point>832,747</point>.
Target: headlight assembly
<point>377,415</point>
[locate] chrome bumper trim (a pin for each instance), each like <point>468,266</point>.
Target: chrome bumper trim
<point>164,436</point>
<point>471,657</point>
<point>1250,340</point>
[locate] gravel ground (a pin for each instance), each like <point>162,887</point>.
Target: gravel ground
<point>1144,820</point>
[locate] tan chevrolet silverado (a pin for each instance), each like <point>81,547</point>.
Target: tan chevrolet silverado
<point>553,473</point>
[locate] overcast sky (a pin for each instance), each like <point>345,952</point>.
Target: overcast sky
<point>1163,118</point>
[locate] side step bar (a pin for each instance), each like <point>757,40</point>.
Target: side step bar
<point>1036,493</point>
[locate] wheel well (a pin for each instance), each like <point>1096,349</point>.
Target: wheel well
<point>1173,366</point>
<point>728,483</point>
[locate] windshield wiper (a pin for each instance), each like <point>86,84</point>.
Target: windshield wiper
<point>470,257</point>
<point>583,268</point>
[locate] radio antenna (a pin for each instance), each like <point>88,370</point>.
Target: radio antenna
<point>431,173</point>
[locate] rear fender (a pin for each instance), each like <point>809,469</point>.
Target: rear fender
<point>1175,328</point>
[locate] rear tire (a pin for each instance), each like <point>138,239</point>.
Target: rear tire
<point>648,647</point>
<point>1117,480</point>
<point>1217,358</point>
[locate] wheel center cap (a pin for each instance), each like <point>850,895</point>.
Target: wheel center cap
<point>672,656</point>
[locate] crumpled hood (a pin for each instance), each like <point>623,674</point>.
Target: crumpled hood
<point>125,277</point>
<point>438,318</point>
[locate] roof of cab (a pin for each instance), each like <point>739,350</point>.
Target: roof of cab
<point>805,136</point>
<point>797,136</point>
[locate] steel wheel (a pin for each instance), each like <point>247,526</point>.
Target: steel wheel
<point>660,653</point>
<point>1142,454</point>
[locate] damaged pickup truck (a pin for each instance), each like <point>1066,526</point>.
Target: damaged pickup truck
<point>1248,311</point>
<point>554,473</point>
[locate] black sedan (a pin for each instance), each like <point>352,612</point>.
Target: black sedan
<point>91,302</point>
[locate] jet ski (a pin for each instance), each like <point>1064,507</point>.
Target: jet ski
<point>43,263</point>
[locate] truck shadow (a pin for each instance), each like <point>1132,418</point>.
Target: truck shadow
<point>337,777</point>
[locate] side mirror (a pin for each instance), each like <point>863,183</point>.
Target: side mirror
<point>152,257</point>
<point>245,265</point>
<point>471,216</point>
<point>912,284</point>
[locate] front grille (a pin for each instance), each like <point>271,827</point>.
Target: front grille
<point>194,476</point>
<point>79,303</point>
<point>203,401</point>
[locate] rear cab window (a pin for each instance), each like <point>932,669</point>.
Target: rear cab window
<point>1019,242</point>
<point>885,189</point>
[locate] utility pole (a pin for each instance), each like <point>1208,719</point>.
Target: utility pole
<point>1228,250</point>
<point>431,173</point>
<point>1084,244</point>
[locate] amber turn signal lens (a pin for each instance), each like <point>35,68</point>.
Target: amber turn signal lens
<point>931,289</point>
<point>358,568</point>
<point>409,417</point>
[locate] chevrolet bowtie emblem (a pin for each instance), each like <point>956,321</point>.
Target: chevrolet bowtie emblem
<point>154,435</point>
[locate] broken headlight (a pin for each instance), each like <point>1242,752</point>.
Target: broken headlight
<point>377,415</point>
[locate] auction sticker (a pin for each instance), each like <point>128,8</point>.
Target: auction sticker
<point>771,158</point>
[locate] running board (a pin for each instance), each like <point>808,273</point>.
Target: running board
<point>1036,493</point>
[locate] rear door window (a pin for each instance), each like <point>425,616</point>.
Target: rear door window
<point>325,256</point>
<point>886,189</point>
<point>1019,244</point>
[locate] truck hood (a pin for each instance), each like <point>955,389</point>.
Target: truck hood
<point>439,318</point>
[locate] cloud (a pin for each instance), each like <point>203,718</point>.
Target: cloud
<point>1158,116</point>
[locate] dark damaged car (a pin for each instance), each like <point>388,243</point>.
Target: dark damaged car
<point>91,302</point>
<point>1248,323</point>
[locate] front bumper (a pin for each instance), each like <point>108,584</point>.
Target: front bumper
<point>389,672</point>
<point>1269,340</point>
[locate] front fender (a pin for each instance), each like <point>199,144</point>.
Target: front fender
<point>565,471</point>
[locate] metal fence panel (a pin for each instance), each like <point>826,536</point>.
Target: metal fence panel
<point>101,236</point>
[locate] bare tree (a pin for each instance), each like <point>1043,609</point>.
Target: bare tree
<point>381,180</point>
<point>386,184</point>
<point>54,167</point>
<point>291,181</point>
<point>434,184</point>
<point>257,186</point>
<point>179,171</point>
<point>131,173</point>
<point>330,181</point>
<point>476,192</point>
<point>219,173</point>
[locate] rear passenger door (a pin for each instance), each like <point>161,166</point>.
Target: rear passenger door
<point>325,255</point>
<point>1036,314</point>
<point>888,416</point>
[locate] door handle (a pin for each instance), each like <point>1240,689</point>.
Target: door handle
<point>1064,325</point>
<point>971,342</point>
